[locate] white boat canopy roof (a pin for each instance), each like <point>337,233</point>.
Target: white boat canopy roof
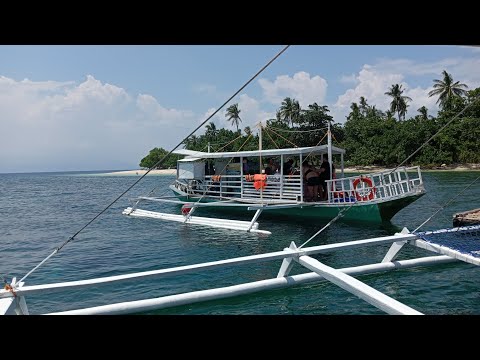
<point>313,150</point>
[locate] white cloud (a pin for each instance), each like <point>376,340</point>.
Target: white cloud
<point>301,87</point>
<point>463,69</point>
<point>250,113</point>
<point>372,85</point>
<point>348,79</point>
<point>205,88</point>
<point>373,81</point>
<point>51,125</point>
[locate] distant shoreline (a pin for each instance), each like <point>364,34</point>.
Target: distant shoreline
<point>141,172</point>
<point>357,169</point>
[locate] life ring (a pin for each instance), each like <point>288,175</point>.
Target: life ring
<point>260,181</point>
<point>371,193</point>
<point>186,209</point>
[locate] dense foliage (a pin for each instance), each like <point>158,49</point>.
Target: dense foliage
<point>157,154</point>
<point>369,135</point>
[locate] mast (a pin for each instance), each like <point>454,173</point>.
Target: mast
<point>260,146</point>
<point>329,149</point>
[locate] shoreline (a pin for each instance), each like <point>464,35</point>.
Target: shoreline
<point>140,172</point>
<point>358,169</point>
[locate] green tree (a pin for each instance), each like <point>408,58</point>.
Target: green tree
<point>211,131</point>
<point>233,115</point>
<point>289,110</point>
<point>157,154</point>
<point>423,113</point>
<point>399,101</point>
<point>446,90</point>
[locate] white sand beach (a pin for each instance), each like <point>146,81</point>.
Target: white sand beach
<point>358,169</point>
<point>141,172</point>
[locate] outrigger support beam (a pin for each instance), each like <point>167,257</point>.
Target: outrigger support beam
<point>395,248</point>
<point>358,288</point>
<point>287,263</point>
<point>255,217</point>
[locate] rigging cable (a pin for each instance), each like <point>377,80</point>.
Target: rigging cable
<point>159,162</point>
<point>344,210</point>
<point>447,203</point>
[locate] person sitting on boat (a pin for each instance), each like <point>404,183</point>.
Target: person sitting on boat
<point>271,164</point>
<point>287,167</point>
<point>245,166</point>
<point>312,177</point>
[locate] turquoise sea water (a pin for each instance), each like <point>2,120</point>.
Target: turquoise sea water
<point>40,211</point>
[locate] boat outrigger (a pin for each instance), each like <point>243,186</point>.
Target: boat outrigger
<point>447,246</point>
<point>220,180</point>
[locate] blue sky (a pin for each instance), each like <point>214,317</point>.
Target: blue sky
<point>104,107</point>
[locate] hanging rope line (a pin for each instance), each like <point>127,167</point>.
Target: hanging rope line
<point>294,145</point>
<point>344,210</point>
<point>296,131</point>
<point>159,162</point>
<point>310,153</point>
<point>447,203</point>
<point>231,159</point>
<point>231,142</point>
<point>438,132</point>
<point>268,133</point>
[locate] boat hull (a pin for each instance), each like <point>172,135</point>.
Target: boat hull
<point>364,212</point>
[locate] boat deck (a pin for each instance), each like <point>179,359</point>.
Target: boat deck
<point>470,217</point>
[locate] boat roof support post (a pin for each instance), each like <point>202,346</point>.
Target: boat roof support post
<point>330,150</point>
<point>341,165</point>
<point>301,178</point>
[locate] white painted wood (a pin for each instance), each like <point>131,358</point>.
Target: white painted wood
<point>395,248</point>
<point>197,220</point>
<point>312,150</point>
<point>21,305</point>
<point>446,251</point>
<point>321,249</point>
<point>255,217</point>
<point>358,288</point>
<point>393,251</point>
<point>287,263</point>
<point>7,306</point>
<point>248,288</point>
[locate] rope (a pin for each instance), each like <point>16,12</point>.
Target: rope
<point>266,128</point>
<point>159,162</point>
<point>231,159</point>
<point>238,137</point>
<point>435,135</point>
<point>284,138</point>
<point>297,131</point>
<point>340,214</point>
<point>447,203</point>
<point>310,153</point>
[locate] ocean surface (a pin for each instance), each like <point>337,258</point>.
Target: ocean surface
<point>42,210</point>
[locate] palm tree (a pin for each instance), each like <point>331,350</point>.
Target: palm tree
<point>447,90</point>
<point>211,131</point>
<point>233,114</point>
<point>289,110</point>
<point>399,102</point>
<point>423,113</point>
<point>363,105</point>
